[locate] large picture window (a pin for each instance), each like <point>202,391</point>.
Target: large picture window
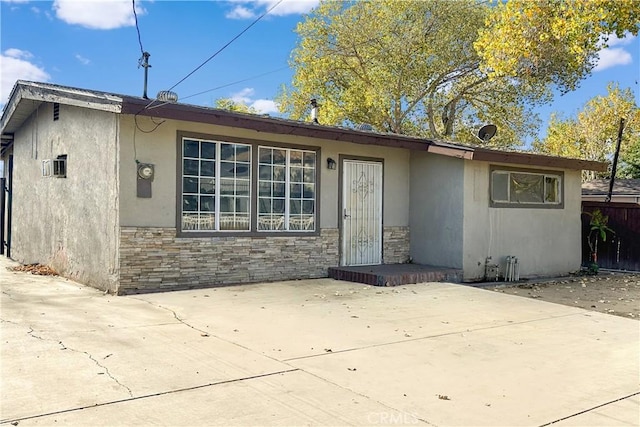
<point>243,187</point>
<point>216,185</point>
<point>513,188</point>
<point>287,189</point>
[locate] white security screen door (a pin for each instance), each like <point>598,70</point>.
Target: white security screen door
<point>362,213</point>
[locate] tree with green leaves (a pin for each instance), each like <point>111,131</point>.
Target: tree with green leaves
<point>232,105</point>
<point>407,67</point>
<point>552,41</point>
<point>593,133</point>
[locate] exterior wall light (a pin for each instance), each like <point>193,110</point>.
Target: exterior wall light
<point>331,164</point>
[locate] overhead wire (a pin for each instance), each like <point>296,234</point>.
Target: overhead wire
<point>135,17</point>
<point>227,44</point>
<point>236,82</point>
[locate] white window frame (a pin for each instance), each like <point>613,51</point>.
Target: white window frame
<point>557,175</point>
<point>286,225</point>
<point>217,186</point>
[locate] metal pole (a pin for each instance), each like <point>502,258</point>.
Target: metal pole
<point>3,189</point>
<point>9,205</point>
<point>615,161</point>
<point>145,58</point>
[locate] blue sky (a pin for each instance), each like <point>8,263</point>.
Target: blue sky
<point>94,45</point>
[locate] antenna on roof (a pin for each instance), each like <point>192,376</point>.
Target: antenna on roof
<point>144,62</point>
<point>486,132</point>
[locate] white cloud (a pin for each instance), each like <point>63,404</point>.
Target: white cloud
<point>240,12</point>
<point>14,66</point>
<point>17,53</point>
<point>82,59</point>
<point>254,8</point>
<point>262,106</point>
<point>35,10</point>
<point>611,57</point>
<point>96,14</point>
<point>615,41</point>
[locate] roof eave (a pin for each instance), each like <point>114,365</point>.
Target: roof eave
<point>538,160</point>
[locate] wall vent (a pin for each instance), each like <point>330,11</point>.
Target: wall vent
<point>56,111</point>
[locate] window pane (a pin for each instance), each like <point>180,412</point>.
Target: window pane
<point>264,205</point>
<point>279,157</point>
<point>190,222</point>
<point>208,150</point>
<point>242,187</point>
<point>227,204</point>
<point>207,222</point>
<point>243,154</point>
<point>207,168</point>
<point>295,191</point>
<point>191,148</point>
<point>234,222</point>
<point>242,204</point>
<point>279,173</point>
<point>264,189</point>
<point>309,159</point>
<point>227,169</point>
<point>500,187</point>
<point>207,204</point>
<point>307,206</point>
<point>265,155</point>
<point>265,172</point>
<point>242,170</point>
<point>207,185</point>
<point>189,203</point>
<point>278,206</point>
<point>309,175</point>
<point>308,192</point>
<point>190,185</point>
<point>227,151</point>
<point>295,207</point>
<point>227,186</point>
<point>296,158</point>
<point>296,174</point>
<point>552,186</point>
<point>190,167</point>
<point>526,188</point>
<point>278,190</point>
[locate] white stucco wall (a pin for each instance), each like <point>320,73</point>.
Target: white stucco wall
<point>546,241</point>
<point>160,148</point>
<point>69,223</point>
<point>436,214</point>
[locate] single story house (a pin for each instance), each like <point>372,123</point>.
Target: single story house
<point>624,191</point>
<point>132,195</point>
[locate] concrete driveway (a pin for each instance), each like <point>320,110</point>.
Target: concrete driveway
<point>310,352</point>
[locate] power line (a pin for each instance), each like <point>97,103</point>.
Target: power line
<point>236,82</point>
<point>228,43</point>
<point>135,16</point>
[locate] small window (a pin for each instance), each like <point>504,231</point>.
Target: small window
<point>519,188</point>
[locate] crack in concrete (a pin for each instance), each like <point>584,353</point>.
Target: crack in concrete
<point>62,345</point>
<point>590,409</point>
<point>146,396</point>
<point>9,295</point>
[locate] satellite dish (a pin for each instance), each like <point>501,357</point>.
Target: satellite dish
<point>487,132</point>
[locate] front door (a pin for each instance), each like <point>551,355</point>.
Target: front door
<point>361,213</point>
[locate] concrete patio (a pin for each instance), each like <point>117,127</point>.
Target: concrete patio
<point>309,352</point>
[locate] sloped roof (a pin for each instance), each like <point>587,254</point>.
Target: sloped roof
<point>621,187</point>
<point>26,97</point>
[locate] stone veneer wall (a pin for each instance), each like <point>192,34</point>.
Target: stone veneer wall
<point>395,245</point>
<point>154,259</point>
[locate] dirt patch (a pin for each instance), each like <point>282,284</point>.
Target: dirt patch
<point>39,269</point>
<point>611,293</point>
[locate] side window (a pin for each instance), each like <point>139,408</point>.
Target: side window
<point>516,188</point>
